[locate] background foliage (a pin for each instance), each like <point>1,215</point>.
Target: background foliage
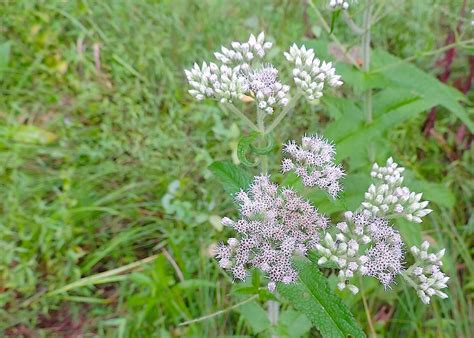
<point>105,160</point>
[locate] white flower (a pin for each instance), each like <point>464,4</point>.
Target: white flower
<point>339,4</point>
<point>309,73</point>
<point>222,83</point>
<point>240,73</point>
<point>388,197</point>
<point>266,88</point>
<point>426,274</point>
<point>275,224</point>
<point>244,52</point>
<point>313,161</point>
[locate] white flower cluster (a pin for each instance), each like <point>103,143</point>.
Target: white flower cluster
<point>426,274</point>
<point>243,53</point>
<point>339,4</point>
<point>268,91</point>
<point>388,197</point>
<point>242,72</point>
<point>223,83</point>
<point>275,224</point>
<point>313,162</point>
<point>309,73</point>
<point>350,250</point>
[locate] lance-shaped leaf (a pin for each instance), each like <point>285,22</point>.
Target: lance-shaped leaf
<point>313,297</point>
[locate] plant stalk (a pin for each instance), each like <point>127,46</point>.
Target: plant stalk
<point>366,38</point>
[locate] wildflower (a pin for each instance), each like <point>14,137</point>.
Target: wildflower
<point>241,72</point>
<point>313,161</point>
<point>275,224</point>
<point>222,83</point>
<point>339,4</point>
<point>309,73</point>
<point>388,197</point>
<point>425,273</point>
<point>382,259</point>
<point>267,90</point>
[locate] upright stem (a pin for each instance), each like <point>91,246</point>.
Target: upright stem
<point>273,313</point>
<point>367,310</point>
<point>261,128</point>
<point>366,38</point>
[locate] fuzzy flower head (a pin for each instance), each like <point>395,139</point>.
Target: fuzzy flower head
<point>275,224</point>
<point>365,246</point>
<point>387,196</point>
<point>426,274</point>
<point>309,73</point>
<point>313,162</point>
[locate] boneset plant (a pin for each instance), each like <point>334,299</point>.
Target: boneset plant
<point>276,224</point>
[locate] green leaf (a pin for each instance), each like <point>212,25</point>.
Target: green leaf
<point>407,76</point>
<point>232,177</point>
<point>293,324</point>
<point>313,297</point>
<point>245,143</point>
<point>355,142</point>
<point>254,316</point>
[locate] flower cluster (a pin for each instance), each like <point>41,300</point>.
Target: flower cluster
<point>388,197</point>
<point>224,83</point>
<point>241,71</point>
<point>275,224</point>
<point>313,161</point>
<point>268,91</point>
<point>425,273</point>
<point>362,245</point>
<point>339,4</point>
<point>309,73</point>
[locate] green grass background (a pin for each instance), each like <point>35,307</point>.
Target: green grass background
<point>104,162</point>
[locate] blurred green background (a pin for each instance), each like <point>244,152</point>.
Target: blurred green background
<point>104,162</point>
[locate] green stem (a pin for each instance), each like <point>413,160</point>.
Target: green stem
<point>241,115</point>
<point>261,128</point>
<point>332,36</point>
<point>284,112</point>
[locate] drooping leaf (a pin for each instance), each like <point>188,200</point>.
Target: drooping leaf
<point>232,177</point>
<point>313,297</point>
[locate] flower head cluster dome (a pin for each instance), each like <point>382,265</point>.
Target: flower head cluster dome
<point>387,196</point>
<point>275,224</point>
<point>313,161</point>
<point>240,70</point>
<point>310,73</point>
